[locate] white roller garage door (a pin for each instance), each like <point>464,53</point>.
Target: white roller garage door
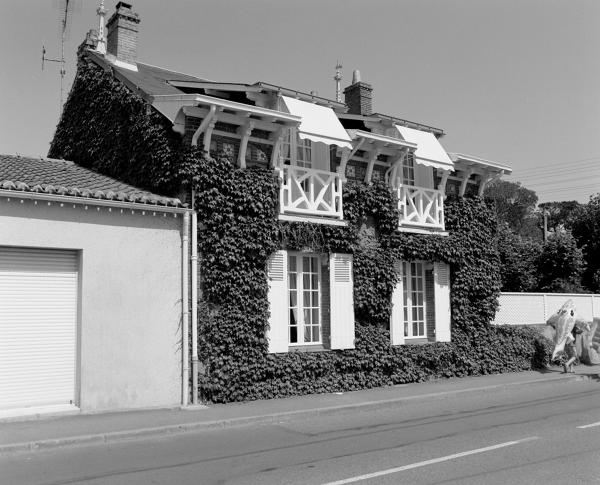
<point>38,327</point>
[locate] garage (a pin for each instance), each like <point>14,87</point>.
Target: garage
<point>93,276</point>
<point>38,328</point>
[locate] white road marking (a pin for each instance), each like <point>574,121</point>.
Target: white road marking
<point>589,425</point>
<point>419,464</point>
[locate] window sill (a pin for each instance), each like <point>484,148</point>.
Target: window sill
<point>417,341</point>
<point>314,219</point>
<point>307,348</point>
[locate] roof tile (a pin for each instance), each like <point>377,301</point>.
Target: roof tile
<point>61,177</point>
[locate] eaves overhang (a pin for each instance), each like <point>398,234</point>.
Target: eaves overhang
<point>438,132</point>
<point>480,163</point>
<point>72,200</point>
<point>171,104</point>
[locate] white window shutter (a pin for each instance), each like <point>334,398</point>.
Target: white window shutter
<point>397,316</point>
<point>441,278</point>
<point>342,301</point>
<point>277,334</point>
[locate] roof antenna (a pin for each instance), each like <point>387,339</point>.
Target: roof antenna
<point>65,8</point>
<point>338,80</point>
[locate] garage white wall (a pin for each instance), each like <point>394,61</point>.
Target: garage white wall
<point>130,296</point>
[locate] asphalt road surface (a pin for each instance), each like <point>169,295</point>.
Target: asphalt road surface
<point>547,434</point>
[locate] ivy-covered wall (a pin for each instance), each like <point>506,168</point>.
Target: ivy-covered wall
<point>239,230</point>
<point>238,211</point>
<point>109,129</point>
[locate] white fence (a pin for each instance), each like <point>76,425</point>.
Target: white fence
<point>536,308</point>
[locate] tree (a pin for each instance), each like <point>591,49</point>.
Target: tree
<point>586,229</point>
<point>560,264</point>
<point>515,206</point>
<point>560,213</point>
<point>518,260</point>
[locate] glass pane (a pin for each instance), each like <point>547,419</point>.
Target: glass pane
<point>307,334</point>
<point>421,317</point>
<point>422,329</point>
<point>306,281</point>
<point>415,327</point>
<point>292,264</point>
<point>315,316</point>
<point>316,333</point>
<point>307,319</point>
<point>415,314</point>
<point>405,328</point>
<point>315,299</point>
<point>293,298</point>
<point>306,299</point>
<point>292,281</point>
<point>314,281</point>
<point>306,264</point>
<point>293,335</point>
<point>293,317</point>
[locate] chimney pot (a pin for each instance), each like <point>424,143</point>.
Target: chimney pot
<point>355,76</point>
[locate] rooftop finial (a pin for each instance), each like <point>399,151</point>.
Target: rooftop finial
<point>356,76</point>
<point>101,11</point>
<point>338,79</point>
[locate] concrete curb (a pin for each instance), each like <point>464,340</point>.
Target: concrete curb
<point>117,436</point>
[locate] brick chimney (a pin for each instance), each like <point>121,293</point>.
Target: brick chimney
<point>358,96</point>
<point>122,34</point>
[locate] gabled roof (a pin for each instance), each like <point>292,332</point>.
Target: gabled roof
<point>61,177</point>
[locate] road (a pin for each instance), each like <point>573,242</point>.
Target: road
<point>546,434</point>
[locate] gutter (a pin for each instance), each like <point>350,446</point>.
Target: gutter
<point>71,200</point>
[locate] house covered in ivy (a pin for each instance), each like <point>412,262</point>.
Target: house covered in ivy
<point>339,248</point>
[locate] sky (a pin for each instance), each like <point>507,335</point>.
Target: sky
<point>512,81</point>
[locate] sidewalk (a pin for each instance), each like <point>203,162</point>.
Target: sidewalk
<point>58,431</point>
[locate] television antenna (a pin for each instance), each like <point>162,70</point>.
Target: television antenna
<point>338,79</point>
<point>65,10</point>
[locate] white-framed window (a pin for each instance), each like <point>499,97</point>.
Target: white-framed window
<point>408,169</point>
<point>413,288</point>
<point>303,153</point>
<point>294,145</point>
<point>304,289</point>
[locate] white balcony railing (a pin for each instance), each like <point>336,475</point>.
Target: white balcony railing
<point>311,192</point>
<point>420,207</point>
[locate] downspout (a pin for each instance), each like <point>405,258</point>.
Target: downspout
<point>194,267</point>
<point>185,312</point>
<point>194,270</point>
